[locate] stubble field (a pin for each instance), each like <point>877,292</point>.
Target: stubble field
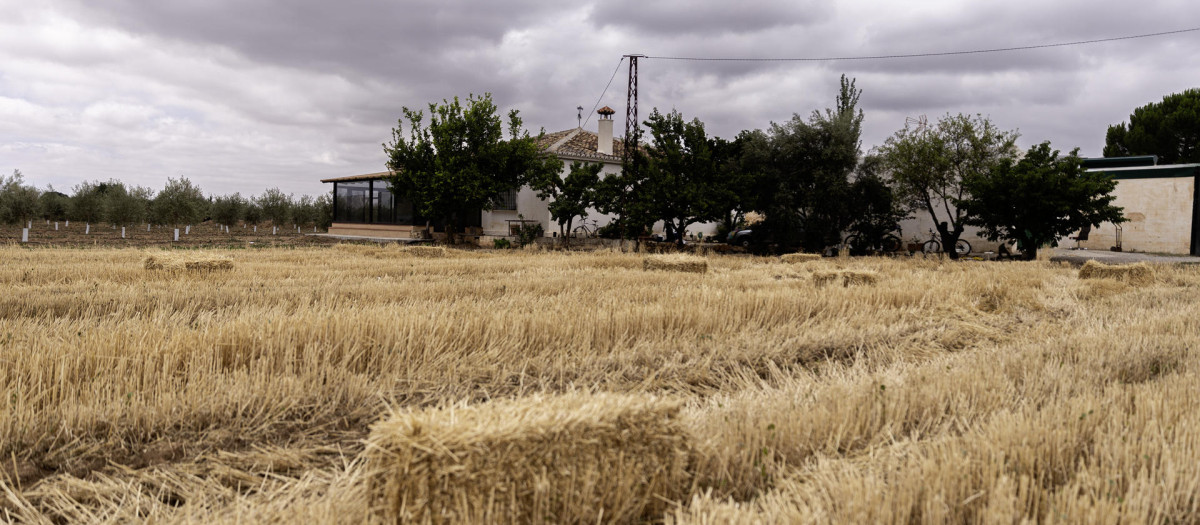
<point>895,391</point>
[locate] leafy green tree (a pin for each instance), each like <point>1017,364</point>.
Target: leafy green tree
<point>930,167</point>
<point>252,213</point>
<point>569,196</point>
<point>304,213</point>
<point>802,168</point>
<point>1169,129</point>
<point>684,173</point>
<point>1039,199</point>
<point>276,206</point>
<point>623,195</point>
<point>460,163</point>
<point>227,209</point>
<point>124,206</point>
<point>87,201</point>
<point>873,205</point>
<point>179,202</point>
<point>736,181</point>
<point>18,202</point>
<point>53,204</point>
<point>324,208</point>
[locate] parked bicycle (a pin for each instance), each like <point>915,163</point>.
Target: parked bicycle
<point>856,244</point>
<point>933,245</point>
<point>584,230</point>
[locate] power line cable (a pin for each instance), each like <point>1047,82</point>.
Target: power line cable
<point>602,93</point>
<point>936,54</point>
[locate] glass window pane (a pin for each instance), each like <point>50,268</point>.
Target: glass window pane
<point>352,201</point>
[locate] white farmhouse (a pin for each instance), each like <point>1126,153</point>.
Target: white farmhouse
<point>364,206</point>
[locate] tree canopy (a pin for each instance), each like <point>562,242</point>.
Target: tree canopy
<point>179,202</point>
<point>929,166</point>
<point>685,173</point>
<point>802,173</point>
<point>459,163</point>
<point>570,196</point>
<point>18,202</point>
<point>1169,129</point>
<point>1038,199</point>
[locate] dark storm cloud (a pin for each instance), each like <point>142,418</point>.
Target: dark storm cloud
<point>364,36</point>
<point>673,17</point>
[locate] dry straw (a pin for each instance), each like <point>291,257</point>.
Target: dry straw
<point>187,262</point>
<point>675,262</point>
<point>394,250</point>
<point>846,277</point>
<point>796,258</point>
<point>576,458</point>
<point>424,251</point>
<point>1138,274</point>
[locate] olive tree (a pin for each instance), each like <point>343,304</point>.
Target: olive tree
<point>179,202</point>
<point>18,201</point>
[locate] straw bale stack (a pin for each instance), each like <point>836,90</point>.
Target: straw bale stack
<point>565,459</point>
<point>187,262</point>
<point>1136,274</point>
<point>797,258</point>
<point>675,262</point>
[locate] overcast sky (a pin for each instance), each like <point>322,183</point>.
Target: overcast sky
<point>243,95</point>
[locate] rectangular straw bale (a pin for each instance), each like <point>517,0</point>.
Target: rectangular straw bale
<point>675,262</point>
<point>846,277</point>
<point>1137,274</point>
<point>796,258</point>
<point>188,262</point>
<point>424,251</point>
<point>576,458</point>
<point>822,278</point>
<point>856,277</point>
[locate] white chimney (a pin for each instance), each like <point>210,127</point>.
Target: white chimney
<point>604,144</point>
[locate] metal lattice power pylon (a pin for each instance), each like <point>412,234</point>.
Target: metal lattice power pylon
<point>631,105</point>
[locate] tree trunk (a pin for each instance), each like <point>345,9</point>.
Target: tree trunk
<point>451,225</point>
<point>1028,249</point>
<point>566,233</point>
<point>949,238</point>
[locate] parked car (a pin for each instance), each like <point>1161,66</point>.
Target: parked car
<point>743,238</point>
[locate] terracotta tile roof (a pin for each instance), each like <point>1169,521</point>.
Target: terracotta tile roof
<point>580,144</point>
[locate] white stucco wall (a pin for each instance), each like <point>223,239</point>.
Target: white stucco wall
<point>530,207</point>
<point>1159,213</point>
<point>916,229</point>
